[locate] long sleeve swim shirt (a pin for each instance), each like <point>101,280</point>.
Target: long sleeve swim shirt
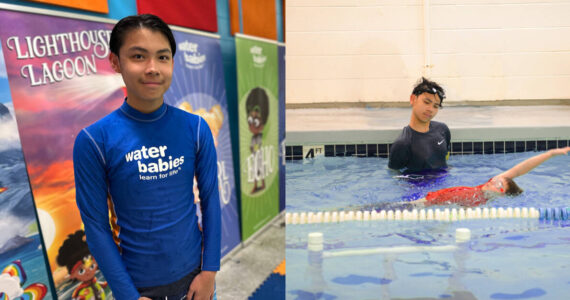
<point>139,168</point>
<point>416,151</point>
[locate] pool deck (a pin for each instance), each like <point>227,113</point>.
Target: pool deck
<point>323,126</point>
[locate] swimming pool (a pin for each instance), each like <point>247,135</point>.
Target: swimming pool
<point>329,183</point>
<point>503,259</point>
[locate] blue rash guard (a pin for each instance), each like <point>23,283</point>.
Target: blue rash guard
<point>140,167</point>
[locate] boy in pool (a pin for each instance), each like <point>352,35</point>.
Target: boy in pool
<point>423,144</point>
<point>498,185</point>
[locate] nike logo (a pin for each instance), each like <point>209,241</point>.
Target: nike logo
<point>440,142</point>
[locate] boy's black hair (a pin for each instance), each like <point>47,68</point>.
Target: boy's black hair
<point>74,249</point>
<point>427,86</point>
<point>126,24</point>
<point>258,100</point>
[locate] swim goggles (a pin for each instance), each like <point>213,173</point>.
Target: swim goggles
<point>498,184</point>
<point>429,90</point>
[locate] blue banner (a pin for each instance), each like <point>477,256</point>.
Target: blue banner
<point>198,87</point>
<point>281,63</point>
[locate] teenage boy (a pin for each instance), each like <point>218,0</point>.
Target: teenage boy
<point>138,164</point>
<point>423,144</point>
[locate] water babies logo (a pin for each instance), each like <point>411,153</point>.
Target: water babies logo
<point>159,169</point>
<point>192,57</point>
<point>258,58</point>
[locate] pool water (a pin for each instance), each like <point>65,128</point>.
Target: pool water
<point>503,259</point>
<point>333,183</point>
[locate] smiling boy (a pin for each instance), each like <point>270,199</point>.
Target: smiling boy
<point>139,163</point>
<point>423,144</point>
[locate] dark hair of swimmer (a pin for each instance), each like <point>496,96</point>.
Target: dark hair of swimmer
<point>512,188</point>
<point>427,86</point>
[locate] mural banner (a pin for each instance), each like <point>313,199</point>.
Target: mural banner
<point>281,58</point>
<point>22,255</point>
<point>198,87</point>
<point>60,81</point>
<point>258,106</point>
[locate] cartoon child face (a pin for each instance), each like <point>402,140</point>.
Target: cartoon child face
<point>85,269</point>
<point>254,121</point>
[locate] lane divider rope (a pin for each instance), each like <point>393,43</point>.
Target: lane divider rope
<point>446,215</point>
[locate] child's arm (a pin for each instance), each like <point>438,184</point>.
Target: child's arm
<point>533,162</point>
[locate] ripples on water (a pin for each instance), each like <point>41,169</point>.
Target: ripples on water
<point>504,259</point>
<point>329,183</point>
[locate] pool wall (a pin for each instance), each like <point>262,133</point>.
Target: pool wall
<point>474,130</point>
<point>297,152</point>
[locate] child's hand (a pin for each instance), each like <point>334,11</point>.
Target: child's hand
<point>560,151</point>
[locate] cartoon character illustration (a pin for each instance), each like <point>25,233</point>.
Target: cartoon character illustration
<point>81,266</point>
<point>13,278</point>
<point>257,107</point>
<point>215,119</point>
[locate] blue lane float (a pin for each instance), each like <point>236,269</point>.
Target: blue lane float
<point>553,213</point>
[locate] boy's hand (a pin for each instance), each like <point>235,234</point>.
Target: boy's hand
<point>202,287</point>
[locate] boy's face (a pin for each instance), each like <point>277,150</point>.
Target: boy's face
<point>425,106</point>
<point>145,61</point>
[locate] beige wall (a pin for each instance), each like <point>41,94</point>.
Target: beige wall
<point>375,50</point>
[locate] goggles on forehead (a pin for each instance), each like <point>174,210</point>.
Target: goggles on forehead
<point>430,90</point>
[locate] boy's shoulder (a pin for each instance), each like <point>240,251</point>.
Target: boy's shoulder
<point>405,136</point>
<point>439,125</point>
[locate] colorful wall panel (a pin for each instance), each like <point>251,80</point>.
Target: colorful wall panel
<point>255,18</point>
<point>99,6</point>
<point>258,107</point>
<point>60,81</point>
<point>195,14</point>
